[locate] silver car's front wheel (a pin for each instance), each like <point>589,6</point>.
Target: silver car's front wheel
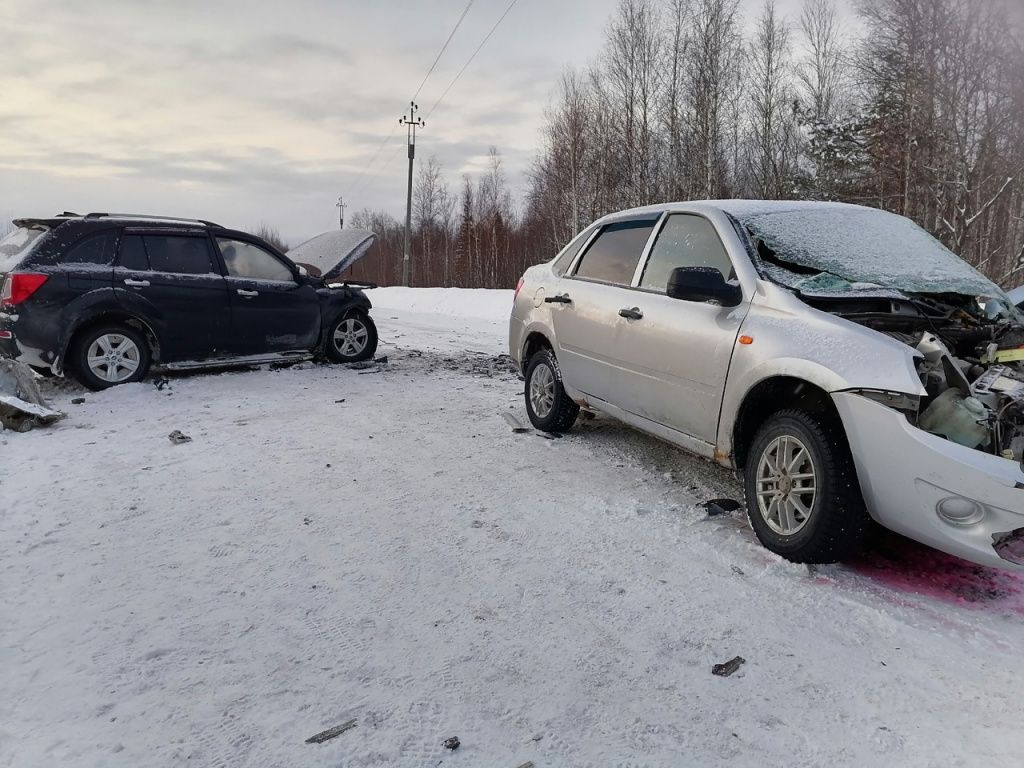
<point>803,496</point>
<point>786,485</point>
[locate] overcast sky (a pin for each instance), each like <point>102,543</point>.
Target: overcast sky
<point>248,111</point>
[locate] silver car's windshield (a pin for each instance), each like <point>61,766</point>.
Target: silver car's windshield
<point>847,249</point>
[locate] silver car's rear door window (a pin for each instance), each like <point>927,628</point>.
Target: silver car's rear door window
<point>613,255</point>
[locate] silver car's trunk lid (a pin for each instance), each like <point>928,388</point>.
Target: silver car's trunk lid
<point>332,253</point>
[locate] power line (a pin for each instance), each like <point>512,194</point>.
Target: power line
<point>470,60</point>
<point>380,148</point>
<point>443,48</point>
<point>362,173</point>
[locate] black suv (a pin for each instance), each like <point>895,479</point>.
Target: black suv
<point>104,296</point>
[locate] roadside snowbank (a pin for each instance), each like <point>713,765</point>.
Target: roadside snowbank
<point>479,303</point>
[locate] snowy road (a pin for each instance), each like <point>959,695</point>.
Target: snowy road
<point>401,558</point>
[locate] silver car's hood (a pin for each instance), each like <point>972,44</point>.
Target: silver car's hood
<point>332,253</point>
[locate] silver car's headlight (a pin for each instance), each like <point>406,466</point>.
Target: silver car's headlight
<point>908,405</point>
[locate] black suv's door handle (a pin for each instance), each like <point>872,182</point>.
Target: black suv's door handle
<point>633,313</point>
<point>562,298</point>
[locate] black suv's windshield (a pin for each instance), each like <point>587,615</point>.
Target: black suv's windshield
<point>17,245</point>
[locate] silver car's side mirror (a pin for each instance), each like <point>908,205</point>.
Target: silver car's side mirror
<point>702,284</point>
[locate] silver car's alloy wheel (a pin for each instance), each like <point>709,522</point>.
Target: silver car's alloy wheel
<point>113,358</point>
<point>350,336</point>
<point>542,390</point>
<point>786,484</point>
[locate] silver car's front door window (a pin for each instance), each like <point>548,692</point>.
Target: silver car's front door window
<point>678,352</point>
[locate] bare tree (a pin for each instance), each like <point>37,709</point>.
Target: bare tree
<point>772,136</point>
<point>271,235</point>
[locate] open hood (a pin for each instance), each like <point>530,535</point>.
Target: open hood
<point>330,254</point>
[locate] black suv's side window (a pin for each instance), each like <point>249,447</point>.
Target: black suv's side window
<point>133,254</point>
<point>92,249</point>
<point>250,261</point>
<point>180,255</point>
<point>614,254</point>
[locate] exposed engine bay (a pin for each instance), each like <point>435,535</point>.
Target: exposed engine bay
<point>971,363</point>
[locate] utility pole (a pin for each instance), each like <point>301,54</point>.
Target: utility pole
<point>340,205</point>
<point>412,123</point>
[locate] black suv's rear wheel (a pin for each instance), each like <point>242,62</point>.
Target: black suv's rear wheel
<point>351,338</point>
<point>108,355</point>
<point>803,496</point>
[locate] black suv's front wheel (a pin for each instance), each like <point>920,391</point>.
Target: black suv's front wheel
<point>108,355</point>
<point>351,338</point>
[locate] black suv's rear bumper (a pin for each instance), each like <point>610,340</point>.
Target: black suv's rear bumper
<point>12,347</point>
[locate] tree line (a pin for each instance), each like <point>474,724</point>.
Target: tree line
<point>920,112</point>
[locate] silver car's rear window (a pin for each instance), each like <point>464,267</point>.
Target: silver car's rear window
<point>17,245</point>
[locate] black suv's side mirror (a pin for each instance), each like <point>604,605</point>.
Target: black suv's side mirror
<point>702,284</point>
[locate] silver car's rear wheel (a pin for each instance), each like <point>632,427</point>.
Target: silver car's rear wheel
<point>542,390</point>
<point>113,358</point>
<point>550,409</point>
<point>786,485</point>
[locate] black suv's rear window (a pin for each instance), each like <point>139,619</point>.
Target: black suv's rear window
<point>17,245</point>
<point>95,250</point>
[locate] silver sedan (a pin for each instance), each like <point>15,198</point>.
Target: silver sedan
<point>845,362</point>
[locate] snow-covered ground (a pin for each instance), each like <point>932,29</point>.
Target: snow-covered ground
<point>339,545</point>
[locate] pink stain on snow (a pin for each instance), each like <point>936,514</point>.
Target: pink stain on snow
<point>905,566</point>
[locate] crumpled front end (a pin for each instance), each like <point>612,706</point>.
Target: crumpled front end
<point>956,499</point>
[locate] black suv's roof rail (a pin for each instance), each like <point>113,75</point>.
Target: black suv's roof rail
<point>146,217</point>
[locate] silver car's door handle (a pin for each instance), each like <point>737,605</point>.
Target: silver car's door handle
<point>247,294</point>
<point>562,298</point>
<point>136,283</point>
<point>631,313</point>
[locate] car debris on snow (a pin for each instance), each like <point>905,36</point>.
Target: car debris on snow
<point>178,437</point>
<point>729,667</point>
<point>547,435</point>
<point>331,733</point>
<point>22,405</point>
<point>517,426</point>
<point>717,507</point>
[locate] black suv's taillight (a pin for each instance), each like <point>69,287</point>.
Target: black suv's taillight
<point>19,286</point>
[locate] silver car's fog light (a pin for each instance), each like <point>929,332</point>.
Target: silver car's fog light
<point>957,510</point>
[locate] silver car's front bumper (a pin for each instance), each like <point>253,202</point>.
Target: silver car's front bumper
<point>952,498</point>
